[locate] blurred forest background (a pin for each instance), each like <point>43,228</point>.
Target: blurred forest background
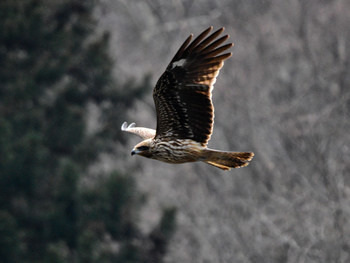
<point>72,71</point>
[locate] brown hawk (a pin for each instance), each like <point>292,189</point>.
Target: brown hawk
<point>185,113</point>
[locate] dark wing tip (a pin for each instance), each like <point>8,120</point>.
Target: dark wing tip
<point>202,58</point>
<point>203,45</point>
<point>198,39</point>
<point>183,47</point>
<point>209,29</point>
<point>221,29</point>
<point>224,56</point>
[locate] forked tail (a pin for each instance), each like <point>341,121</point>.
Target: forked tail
<point>227,160</point>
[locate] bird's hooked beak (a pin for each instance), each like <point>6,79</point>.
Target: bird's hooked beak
<point>142,150</point>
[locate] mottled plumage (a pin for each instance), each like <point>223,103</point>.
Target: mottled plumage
<point>185,113</point>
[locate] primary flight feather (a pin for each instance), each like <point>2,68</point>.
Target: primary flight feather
<point>185,113</point>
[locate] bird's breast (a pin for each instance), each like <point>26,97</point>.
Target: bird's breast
<point>177,151</point>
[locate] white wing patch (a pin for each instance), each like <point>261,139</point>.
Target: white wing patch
<point>179,63</point>
<point>144,133</point>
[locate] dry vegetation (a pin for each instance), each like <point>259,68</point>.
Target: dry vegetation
<point>284,95</point>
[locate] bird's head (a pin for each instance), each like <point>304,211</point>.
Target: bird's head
<point>144,148</point>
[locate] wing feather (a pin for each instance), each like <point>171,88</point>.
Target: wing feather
<point>215,44</point>
<point>217,51</point>
<point>142,132</point>
<point>208,40</point>
<point>182,95</point>
<point>198,39</point>
<point>182,48</point>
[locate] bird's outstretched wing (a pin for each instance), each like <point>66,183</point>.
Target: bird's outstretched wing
<point>182,95</point>
<point>144,133</point>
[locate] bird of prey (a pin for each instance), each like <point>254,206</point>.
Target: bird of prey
<point>185,112</point>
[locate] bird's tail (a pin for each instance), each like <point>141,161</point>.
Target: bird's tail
<point>227,160</point>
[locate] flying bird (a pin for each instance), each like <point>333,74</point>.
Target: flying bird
<point>185,112</point>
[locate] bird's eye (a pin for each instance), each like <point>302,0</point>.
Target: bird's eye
<point>143,148</point>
